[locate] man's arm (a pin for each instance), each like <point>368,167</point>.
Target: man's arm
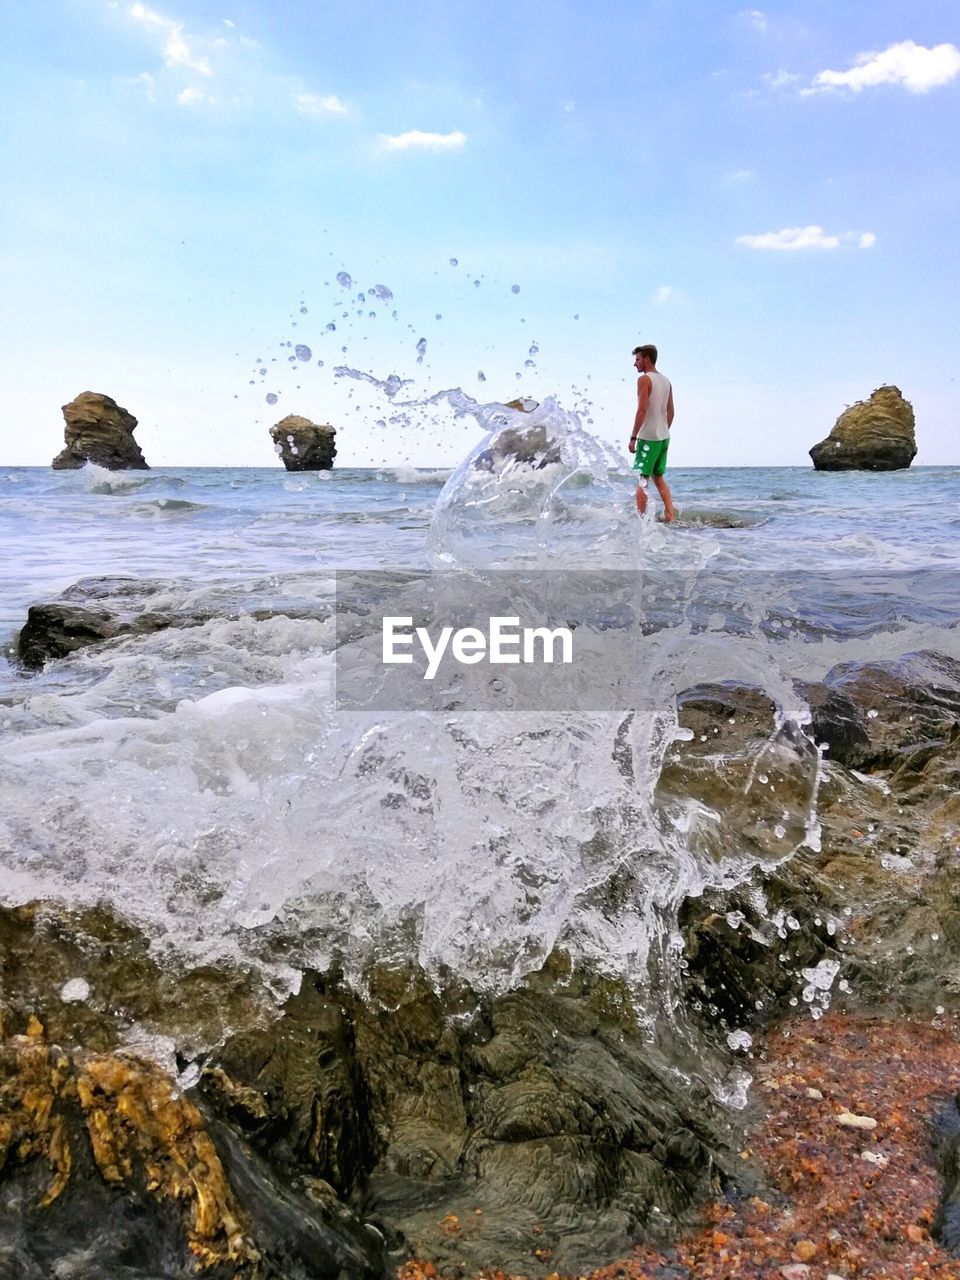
<point>670,409</point>
<point>643,399</point>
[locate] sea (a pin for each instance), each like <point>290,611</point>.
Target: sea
<point>204,782</point>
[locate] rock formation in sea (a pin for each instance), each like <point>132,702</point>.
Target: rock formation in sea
<point>304,445</point>
<point>521,446</point>
<point>98,430</point>
<point>871,435</point>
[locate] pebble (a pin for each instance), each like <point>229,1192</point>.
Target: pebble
<point>815,1094</point>
<point>875,1157</point>
<point>850,1121</point>
<point>795,1271</point>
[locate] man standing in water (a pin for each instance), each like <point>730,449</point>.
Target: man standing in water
<point>651,428</point>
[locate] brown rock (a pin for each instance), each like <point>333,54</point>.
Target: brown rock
<point>872,435</point>
<point>304,445</point>
<point>98,430</point>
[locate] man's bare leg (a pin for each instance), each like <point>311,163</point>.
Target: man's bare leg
<point>641,497</point>
<point>664,491</point>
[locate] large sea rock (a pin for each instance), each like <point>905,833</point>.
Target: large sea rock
<point>304,445</point>
<point>101,431</point>
<point>872,435</point>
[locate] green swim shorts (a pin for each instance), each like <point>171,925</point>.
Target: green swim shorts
<point>651,458</point>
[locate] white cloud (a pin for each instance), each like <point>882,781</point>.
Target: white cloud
<point>737,178</point>
<point>915,67</point>
<point>794,238</point>
<point>176,50</point>
<point>148,84</point>
<point>190,97</point>
<point>314,104</point>
<point>414,139</point>
<point>229,22</point>
<point>780,79</point>
<point>756,17</point>
<point>666,293</point>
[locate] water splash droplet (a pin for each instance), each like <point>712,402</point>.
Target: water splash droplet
<point>534,349</point>
<point>344,279</point>
<point>514,288</point>
<point>303,352</point>
<point>476,284</point>
<point>438,316</point>
<point>330,327</point>
<point>421,350</point>
<point>263,371</point>
<point>303,309</point>
<point>529,364</point>
<point>481,376</point>
<point>271,398</point>
<point>382,292</point>
<point>454,262</point>
<point>319,364</point>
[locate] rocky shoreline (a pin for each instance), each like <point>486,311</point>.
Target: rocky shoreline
<point>542,1131</point>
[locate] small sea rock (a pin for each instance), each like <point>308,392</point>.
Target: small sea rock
<point>851,1121</point>
<point>805,1250</point>
<point>815,1094</point>
<point>795,1271</point>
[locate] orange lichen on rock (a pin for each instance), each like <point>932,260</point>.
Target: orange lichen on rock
<point>136,1123</point>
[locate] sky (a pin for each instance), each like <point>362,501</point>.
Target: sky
<point>530,189</point>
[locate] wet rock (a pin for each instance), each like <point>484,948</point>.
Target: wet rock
<point>466,1127</point>
<point>877,887</point>
<point>110,607</point>
<point>106,1167</point>
<point>872,435</point>
<point>304,445</point>
<point>740,770</point>
<point>98,430</point>
<point>896,714</point>
<point>133,994</point>
<point>479,1128</point>
<point>528,447</point>
<point>56,630</point>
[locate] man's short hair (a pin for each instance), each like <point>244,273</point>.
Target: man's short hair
<point>648,350</point>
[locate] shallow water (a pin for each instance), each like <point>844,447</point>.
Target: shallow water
<point>203,781</point>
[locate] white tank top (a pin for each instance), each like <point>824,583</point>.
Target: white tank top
<point>655,421</point>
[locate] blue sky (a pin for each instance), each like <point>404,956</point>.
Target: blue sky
<point>769,194</point>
